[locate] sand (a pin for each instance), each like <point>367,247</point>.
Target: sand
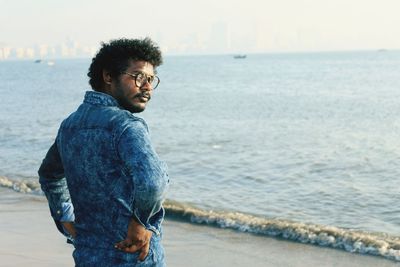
<point>29,238</point>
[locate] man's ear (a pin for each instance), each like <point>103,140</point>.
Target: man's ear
<point>107,77</point>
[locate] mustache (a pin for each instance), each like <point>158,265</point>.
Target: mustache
<point>144,94</point>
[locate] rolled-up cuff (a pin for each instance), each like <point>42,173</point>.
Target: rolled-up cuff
<point>67,212</point>
<point>64,214</point>
<point>148,226</point>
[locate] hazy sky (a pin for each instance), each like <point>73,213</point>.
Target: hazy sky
<point>207,26</point>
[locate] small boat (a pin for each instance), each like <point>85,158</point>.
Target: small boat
<point>50,63</point>
<point>239,56</point>
<point>38,61</point>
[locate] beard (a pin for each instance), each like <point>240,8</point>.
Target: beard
<point>133,104</point>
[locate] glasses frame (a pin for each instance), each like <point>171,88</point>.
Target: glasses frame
<point>148,77</point>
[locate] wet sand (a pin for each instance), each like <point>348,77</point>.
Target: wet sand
<point>29,238</point>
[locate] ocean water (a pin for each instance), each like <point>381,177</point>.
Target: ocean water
<point>302,146</point>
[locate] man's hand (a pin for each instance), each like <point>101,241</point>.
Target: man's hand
<point>137,239</point>
<point>70,228</point>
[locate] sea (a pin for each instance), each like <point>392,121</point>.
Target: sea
<point>299,146</point>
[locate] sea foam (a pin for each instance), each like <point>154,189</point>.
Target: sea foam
<point>355,241</point>
<point>21,186</point>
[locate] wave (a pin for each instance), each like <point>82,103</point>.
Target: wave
<point>378,244</point>
<point>21,186</point>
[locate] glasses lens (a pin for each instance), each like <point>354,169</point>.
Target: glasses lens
<point>142,78</point>
<point>155,81</point>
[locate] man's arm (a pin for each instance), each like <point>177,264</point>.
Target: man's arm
<point>54,185</point>
<point>148,174</point>
<point>150,181</point>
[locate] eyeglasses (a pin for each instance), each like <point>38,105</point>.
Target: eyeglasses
<point>141,79</point>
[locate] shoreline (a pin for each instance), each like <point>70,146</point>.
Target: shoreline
<point>29,237</point>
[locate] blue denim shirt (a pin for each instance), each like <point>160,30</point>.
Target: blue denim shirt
<point>103,162</point>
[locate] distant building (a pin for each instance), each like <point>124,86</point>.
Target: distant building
<point>69,49</point>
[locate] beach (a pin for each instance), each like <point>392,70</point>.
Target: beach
<point>29,238</point>
<point>302,173</point>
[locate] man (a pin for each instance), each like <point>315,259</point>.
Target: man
<point>103,180</point>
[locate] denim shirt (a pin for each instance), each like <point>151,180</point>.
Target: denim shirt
<point>102,162</point>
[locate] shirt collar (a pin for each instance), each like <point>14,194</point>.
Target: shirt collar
<point>98,98</point>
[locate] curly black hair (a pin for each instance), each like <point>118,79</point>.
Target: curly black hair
<point>116,55</point>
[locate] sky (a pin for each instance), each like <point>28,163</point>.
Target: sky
<point>207,26</point>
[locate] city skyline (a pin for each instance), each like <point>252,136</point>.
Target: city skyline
<point>75,29</point>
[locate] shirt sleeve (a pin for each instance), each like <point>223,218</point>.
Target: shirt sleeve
<point>148,174</point>
<point>54,186</point>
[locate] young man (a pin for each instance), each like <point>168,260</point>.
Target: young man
<point>103,180</point>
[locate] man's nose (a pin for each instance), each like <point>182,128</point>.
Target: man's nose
<point>146,86</point>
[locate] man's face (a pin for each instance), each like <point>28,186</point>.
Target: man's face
<point>125,90</point>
